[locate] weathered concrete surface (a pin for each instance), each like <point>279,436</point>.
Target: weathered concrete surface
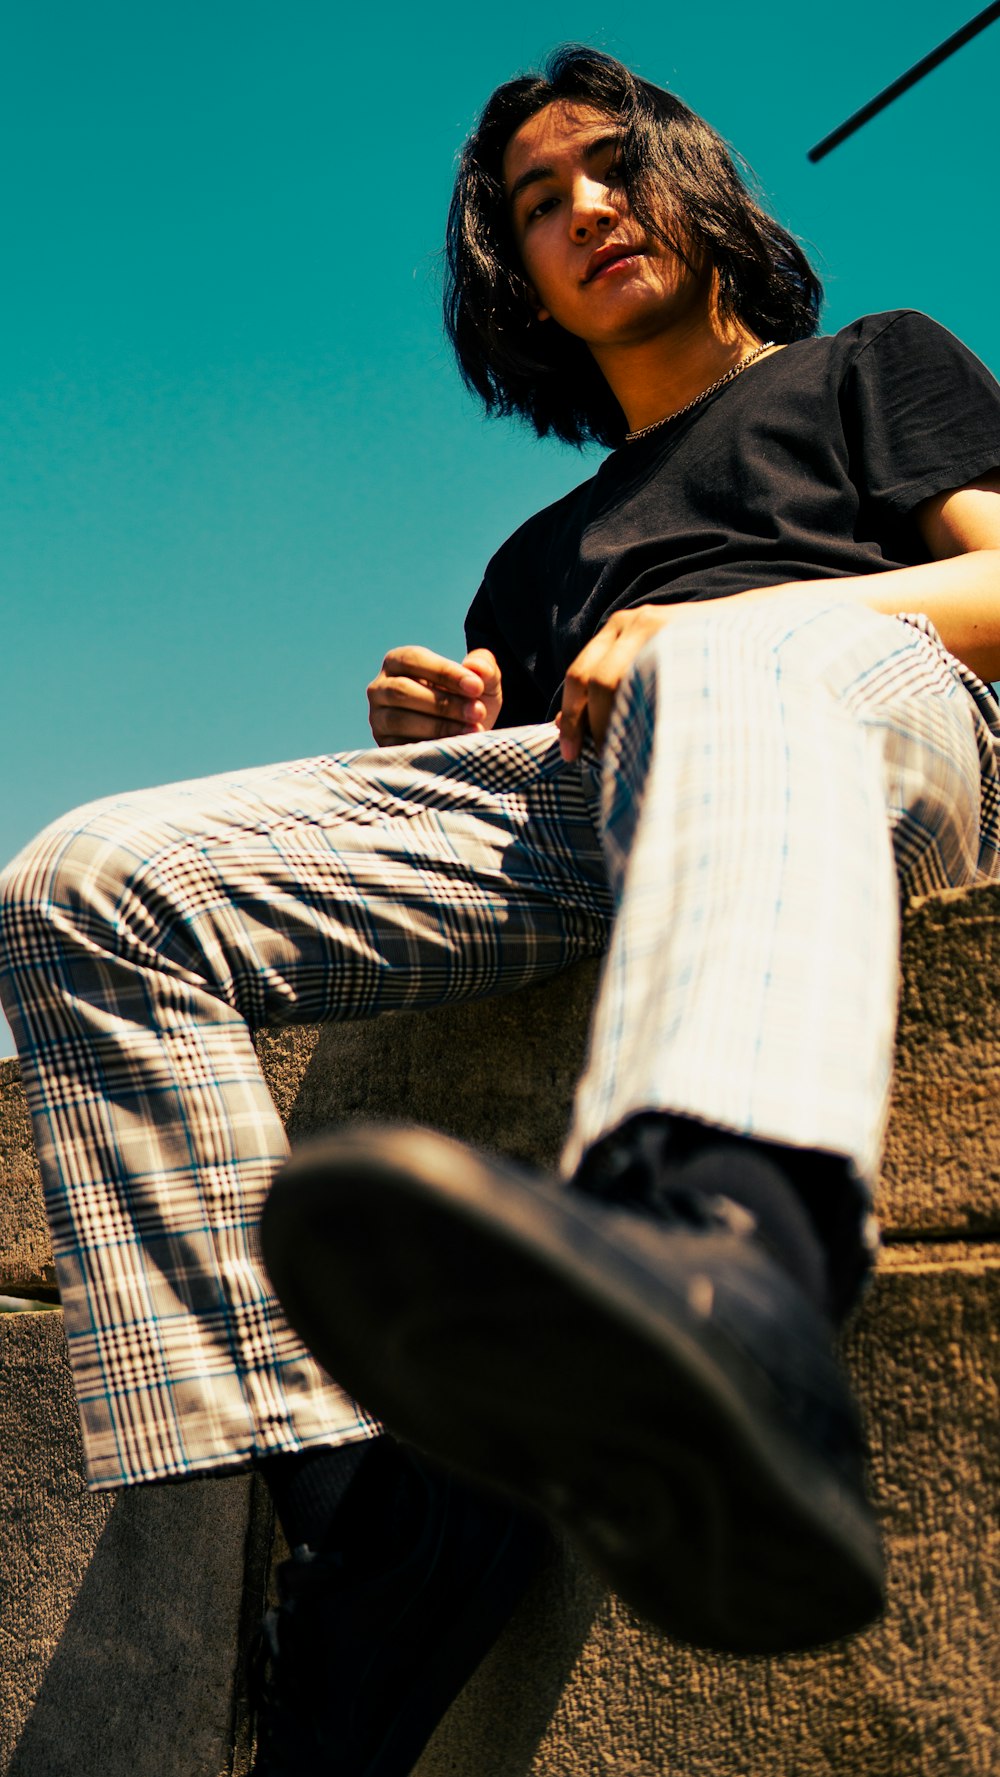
<point>122,1620</point>
<point>517,1061</point>
<point>907,1699</point>
<point>912,1697</point>
<point>25,1249</point>
<point>513,1065</point>
<point>941,1168</point>
<point>122,1613</point>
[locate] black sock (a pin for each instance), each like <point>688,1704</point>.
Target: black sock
<point>807,1205</point>
<point>307,1487</point>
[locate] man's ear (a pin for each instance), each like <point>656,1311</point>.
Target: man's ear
<point>531,298</point>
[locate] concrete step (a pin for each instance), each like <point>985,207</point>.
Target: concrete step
<point>126,1620</point>
<point>124,1615</point>
<point>579,1686</point>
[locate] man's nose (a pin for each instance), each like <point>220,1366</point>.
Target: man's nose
<point>594,209</point>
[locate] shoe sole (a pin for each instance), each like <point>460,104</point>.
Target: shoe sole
<point>509,1334</point>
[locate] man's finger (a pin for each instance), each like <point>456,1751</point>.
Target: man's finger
<point>427,699</point>
<point>433,669</point>
<point>485,664</point>
<point>573,714</point>
<point>600,701</point>
<point>399,727</point>
<point>616,662</point>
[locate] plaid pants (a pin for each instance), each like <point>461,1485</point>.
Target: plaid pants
<point>775,773</point>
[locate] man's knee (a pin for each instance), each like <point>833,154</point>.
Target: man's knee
<point>797,638</point>
<point>736,661</point>
<point>710,626</point>
<point>684,662</point>
<point>73,874</point>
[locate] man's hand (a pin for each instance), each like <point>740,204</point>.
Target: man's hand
<point>419,695</point>
<point>598,670</point>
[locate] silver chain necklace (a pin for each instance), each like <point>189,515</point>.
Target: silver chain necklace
<point>744,364</point>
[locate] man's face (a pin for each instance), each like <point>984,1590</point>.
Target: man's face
<point>590,264</point>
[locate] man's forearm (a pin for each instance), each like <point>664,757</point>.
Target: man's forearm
<point>960,595</point>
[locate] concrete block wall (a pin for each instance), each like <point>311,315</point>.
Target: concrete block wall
<point>126,1619</point>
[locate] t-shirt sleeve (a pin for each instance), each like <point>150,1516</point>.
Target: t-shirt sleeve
<point>922,414</point>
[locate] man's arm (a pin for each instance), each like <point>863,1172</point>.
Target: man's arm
<point>959,591</point>
<point>419,695</point>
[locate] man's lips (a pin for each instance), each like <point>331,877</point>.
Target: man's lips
<point>610,254</point>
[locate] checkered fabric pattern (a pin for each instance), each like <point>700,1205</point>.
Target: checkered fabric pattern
<point>733,852</point>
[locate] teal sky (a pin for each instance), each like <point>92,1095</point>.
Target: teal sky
<point>236,464</point>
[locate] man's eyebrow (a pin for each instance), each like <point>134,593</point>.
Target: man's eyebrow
<point>533,175</point>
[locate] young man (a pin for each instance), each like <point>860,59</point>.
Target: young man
<point>690,731</point>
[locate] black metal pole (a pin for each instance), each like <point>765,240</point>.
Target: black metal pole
<point>917,72</point>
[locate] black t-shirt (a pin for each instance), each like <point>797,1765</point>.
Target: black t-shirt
<point>806,466</point>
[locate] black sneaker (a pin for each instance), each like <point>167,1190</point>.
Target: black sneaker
<point>374,1636</point>
<point>667,1393</point>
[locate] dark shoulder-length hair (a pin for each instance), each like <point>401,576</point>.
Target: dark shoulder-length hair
<point>673,164</point>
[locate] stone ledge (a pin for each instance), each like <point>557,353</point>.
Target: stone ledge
<point>124,1627</point>
<point>520,1056</point>
<point>941,1167</point>
<point>127,1630</point>
<point>599,1692</point>
<point>25,1248</point>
